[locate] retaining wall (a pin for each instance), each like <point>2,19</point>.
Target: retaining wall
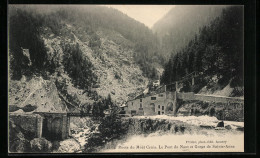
<point>209,98</point>
<point>30,123</point>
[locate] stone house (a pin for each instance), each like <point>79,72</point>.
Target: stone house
<point>155,104</point>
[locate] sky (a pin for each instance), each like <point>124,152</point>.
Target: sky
<point>147,14</point>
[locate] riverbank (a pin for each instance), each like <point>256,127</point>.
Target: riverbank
<point>163,133</point>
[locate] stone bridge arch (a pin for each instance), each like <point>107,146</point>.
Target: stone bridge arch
<point>169,108</point>
<point>54,126</point>
<point>172,107</point>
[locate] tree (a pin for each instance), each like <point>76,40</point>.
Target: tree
<point>216,50</point>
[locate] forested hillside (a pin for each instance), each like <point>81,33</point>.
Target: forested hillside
<point>216,52</point>
<point>83,54</point>
<point>180,25</point>
<point>87,53</point>
<point>90,19</point>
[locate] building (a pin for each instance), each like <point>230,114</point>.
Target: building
<point>156,104</point>
<point>123,108</point>
<point>156,83</point>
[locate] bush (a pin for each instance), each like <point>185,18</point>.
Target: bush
<point>117,76</point>
<point>212,111</point>
<point>204,105</point>
<point>13,108</point>
<point>110,128</point>
<point>78,68</point>
<point>29,108</point>
<point>197,111</point>
<point>18,142</point>
<point>40,145</point>
<point>220,115</point>
<point>24,32</point>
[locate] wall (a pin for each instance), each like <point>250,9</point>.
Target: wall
<point>226,108</point>
<point>168,101</point>
<point>30,123</point>
<point>209,98</point>
<point>186,96</point>
<point>149,106</point>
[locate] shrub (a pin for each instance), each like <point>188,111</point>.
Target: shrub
<point>117,76</point>
<point>40,145</point>
<point>78,68</point>
<point>29,108</point>
<point>204,105</point>
<point>212,111</point>
<point>13,108</point>
<point>110,127</point>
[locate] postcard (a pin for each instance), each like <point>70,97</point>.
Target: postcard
<point>125,78</point>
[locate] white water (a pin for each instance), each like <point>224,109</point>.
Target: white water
<point>196,140</point>
<point>195,120</point>
<point>203,140</point>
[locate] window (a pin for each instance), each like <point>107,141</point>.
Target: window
<point>152,106</point>
<point>162,107</point>
<point>153,98</point>
<point>133,112</point>
<point>140,105</point>
<point>160,95</point>
<point>158,106</point>
<point>140,100</point>
<point>132,104</point>
<point>123,109</point>
<point>162,113</point>
<point>158,112</point>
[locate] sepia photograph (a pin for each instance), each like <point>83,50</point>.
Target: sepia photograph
<point>125,78</point>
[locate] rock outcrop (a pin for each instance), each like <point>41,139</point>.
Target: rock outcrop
<point>18,142</point>
<point>40,145</point>
<point>36,94</point>
<point>68,146</point>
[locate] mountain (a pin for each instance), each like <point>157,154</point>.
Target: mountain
<point>216,53</point>
<point>181,23</point>
<point>84,53</point>
<point>81,56</point>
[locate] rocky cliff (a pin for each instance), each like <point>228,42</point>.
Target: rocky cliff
<point>64,65</point>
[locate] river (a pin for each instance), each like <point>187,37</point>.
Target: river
<point>198,136</point>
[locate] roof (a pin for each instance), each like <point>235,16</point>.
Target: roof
<point>124,105</point>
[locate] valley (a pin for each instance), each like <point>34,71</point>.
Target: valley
<point>96,78</point>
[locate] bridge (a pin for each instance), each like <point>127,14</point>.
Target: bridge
<point>55,126</point>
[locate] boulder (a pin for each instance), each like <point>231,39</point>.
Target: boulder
<point>40,145</point>
<point>19,144</point>
<point>69,146</point>
<point>228,127</point>
<point>27,123</point>
<point>17,140</point>
<point>240,128</point>
<point>55,145</point>
<point>220,124</point>
<point>13,108</point>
